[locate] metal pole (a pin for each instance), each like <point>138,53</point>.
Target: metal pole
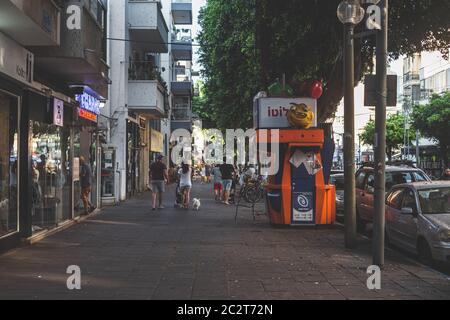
<point>349,139</point>
<point>417,149</point>
<point>380,138</point>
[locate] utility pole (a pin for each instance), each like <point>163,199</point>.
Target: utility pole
<point>349,138</point>
<point>417,148</point>
<point>350,13</point>
<point>380,138</point>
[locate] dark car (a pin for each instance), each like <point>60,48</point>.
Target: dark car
<point>338,181</point>
<point>365,188</point>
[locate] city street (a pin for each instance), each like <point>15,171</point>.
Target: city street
<point>130,252</point>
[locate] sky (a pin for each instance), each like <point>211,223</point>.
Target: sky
<point>196,5</point>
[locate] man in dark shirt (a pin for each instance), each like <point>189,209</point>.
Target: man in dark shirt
<point>86,182</point>
<point>228,172</point>
<point>158,178</point>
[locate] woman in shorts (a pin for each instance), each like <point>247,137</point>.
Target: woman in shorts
<point>186,184</point>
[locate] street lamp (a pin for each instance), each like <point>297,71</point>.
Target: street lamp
<point>350,13</point>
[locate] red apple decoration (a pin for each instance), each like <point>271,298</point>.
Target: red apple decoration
<point>315,89</point>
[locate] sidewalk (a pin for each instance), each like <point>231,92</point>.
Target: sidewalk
<point>129,252</point>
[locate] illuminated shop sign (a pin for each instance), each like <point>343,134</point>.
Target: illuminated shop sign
<point>88,103</point>
<point>87,115</point>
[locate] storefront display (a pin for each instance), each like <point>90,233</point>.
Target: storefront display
<point>8,163</point>
<point>50,175</point>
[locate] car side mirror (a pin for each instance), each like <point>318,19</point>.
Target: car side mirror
<point>409,211</point>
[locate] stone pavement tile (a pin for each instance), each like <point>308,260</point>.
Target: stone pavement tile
<point>279,285</point>
<point>173,291</point>
<point>308,276</point>
<point>357,292</point>
<point>246,289</point>
<point>316,288</point>
<point>285,295</point>
<point>329,297</point>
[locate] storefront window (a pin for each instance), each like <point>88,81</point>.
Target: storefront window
<point>50,177</point>
<point>85,146</point>
<point>8,164</point>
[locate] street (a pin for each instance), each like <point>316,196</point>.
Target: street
<point>130,252</point>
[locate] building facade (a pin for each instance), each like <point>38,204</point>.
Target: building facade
<point>143,50</point>
<point>53,81</point>
<point>425,74</point>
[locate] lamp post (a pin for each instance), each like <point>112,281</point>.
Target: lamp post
<point>380,139</point>
<point>350,13</point>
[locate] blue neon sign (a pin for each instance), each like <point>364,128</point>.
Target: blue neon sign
<point>88,103</point>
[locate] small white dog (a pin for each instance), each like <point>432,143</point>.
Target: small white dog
<point>196,204</point>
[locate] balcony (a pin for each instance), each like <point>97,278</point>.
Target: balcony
<point>146,90</point>
<point>181,124</point>
<point>147,25</point>
<point>31,23</point>
<point>182,88</point>
<point>79,60</point>
<point>182,11</point>
<point>181,112</point>
<point>182,45</point>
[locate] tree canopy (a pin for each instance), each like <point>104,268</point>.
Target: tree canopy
<point>433,121</point>
<point>395,133</point>
<point>247,44</point>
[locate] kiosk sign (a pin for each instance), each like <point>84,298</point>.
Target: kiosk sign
<point>271,113</point>
<point>303,207</point>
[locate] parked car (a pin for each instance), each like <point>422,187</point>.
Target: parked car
<point>365,188</point>
<point>418,219</point>
<point>338,181</point>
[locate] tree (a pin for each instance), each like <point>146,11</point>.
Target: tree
<point>433,121</point>
<point>247,44</point>
<point>395,132</point>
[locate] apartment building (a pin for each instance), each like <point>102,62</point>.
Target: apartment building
<point>425,74</point>
<point>148,43</point>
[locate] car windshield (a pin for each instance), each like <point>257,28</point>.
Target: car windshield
<point>338,182</point>
<point>435,201</point>
<point>401,177</point>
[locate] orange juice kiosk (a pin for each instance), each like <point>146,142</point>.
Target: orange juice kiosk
<point>299,193</point>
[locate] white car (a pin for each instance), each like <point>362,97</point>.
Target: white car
<point>418,219</point>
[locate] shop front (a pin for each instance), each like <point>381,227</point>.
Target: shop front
<point>49,174</point>
<point>134,154</point>
<point>9,168</point>
<point>16,73</point>
<point>87,147</point>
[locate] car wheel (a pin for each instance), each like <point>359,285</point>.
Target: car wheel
<point>424,251</point>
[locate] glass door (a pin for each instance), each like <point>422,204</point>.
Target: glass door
<point>9,168</point>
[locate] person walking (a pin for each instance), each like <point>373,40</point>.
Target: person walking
<point>158,178</point>
<point>203,173</point>
<point>86,184</point>
<point>227,171</point>
<point>208,173</point>
<point>217,179</point>
<point>186,184</point>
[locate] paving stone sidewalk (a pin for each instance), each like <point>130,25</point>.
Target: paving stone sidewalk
<point>129,252</point>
